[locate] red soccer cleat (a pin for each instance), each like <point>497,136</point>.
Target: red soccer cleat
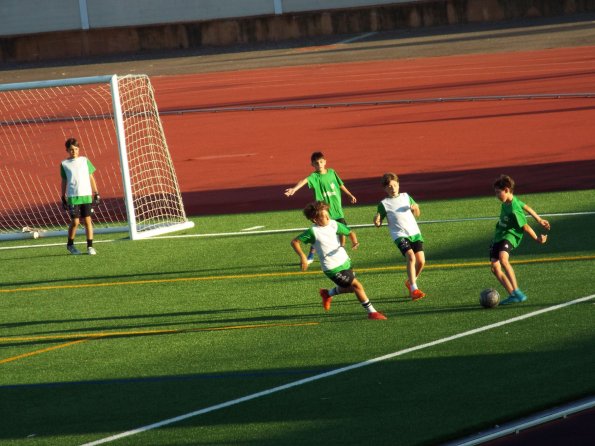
<point>326,299</point>
<point>417,294</point>
<point>376,316</point>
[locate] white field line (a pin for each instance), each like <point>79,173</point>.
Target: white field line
<point>250,231</point>
<point>367,225</point>
<point>332,373</point>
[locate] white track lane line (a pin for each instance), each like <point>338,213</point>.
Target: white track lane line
<point>332,373</point>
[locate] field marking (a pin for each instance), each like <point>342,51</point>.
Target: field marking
<point>252,231</point>
<point>334,372</point>
<point>108,334</point>
<point>104,335</point>
<point>287,274</point>
<point>363,225</point>
<point>43,350</point>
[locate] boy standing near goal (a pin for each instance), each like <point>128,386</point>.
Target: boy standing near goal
<point>327,188</point>
<point>335,262</point>
<point>79,193</point>
<point>400,211</point>
<point>509,232</point>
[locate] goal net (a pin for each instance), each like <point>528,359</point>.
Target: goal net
<point>116,121</point>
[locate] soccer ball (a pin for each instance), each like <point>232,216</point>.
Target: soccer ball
<point>36,234</point>
<point>489,298</point>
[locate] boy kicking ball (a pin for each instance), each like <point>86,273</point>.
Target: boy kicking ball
<point>509,232</point>
<point>324,235</point>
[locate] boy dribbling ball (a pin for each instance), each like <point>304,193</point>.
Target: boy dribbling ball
<point>508,235</point>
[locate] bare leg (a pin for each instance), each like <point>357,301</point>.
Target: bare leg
<point>497,271</point>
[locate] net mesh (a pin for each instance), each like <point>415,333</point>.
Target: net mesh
<point>35,122</point>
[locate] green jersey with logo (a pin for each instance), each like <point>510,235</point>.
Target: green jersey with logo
<point>327,188</point>
<point>511,222</point>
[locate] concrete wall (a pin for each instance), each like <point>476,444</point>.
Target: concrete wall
<point>21,17</point>
<point>99,41</point>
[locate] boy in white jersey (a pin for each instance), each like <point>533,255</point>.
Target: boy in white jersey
<point>335,262</point>
<point>401,211</point>
<point>79,193</point>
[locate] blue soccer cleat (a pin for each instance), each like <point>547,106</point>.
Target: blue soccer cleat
<point>516,297</point>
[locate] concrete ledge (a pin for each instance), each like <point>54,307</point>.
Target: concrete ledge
<point>132,40</point>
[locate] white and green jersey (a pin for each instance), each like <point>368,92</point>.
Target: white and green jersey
<point>326,242</point>
<point>327,188</point>
<point>401,221</point>
<point>76,172</point>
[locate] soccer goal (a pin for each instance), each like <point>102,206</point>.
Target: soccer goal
<point>116,121</point>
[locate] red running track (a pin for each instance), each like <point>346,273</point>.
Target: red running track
<point>242,161</point>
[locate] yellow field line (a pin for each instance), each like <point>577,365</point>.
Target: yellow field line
<point>286,274</point>
<point>100,335</point>
<point>89,336</point>
<point>44,350</point>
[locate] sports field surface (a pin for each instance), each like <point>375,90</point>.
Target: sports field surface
<point>214,337</point>
<point>220,339</point>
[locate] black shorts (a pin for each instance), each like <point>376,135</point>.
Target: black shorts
<point>80,210</point>
<point>342,278</point>
<point>497,247</point>
<point>404,245</point>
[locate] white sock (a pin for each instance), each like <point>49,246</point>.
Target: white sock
<point>369,307</point>
<point>413,287</point>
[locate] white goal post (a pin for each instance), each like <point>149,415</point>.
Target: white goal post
<point>116,121</point>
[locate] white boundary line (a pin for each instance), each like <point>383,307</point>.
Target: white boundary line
<point>365,225</point>
<point>332,373</point>
<point>248,231</point>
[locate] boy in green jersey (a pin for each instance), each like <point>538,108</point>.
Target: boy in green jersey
<point>79,193</point>
<point>327,187</point>
<point>334,261</point>
<point>509,232</point>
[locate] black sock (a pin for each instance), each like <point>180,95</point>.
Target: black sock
<point>89,243</point>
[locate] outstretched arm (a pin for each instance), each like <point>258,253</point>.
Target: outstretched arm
<point>295,244</point>
<point>349,194</point>
<point>292,190</point>
<point>541,238</point>
<point>541,221</point>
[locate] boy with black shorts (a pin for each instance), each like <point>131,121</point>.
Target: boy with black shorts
<point>335,263</point>
<point>327,187</point>
<point>400,211</point>
<point>508,235</point>
<point>79,193</point>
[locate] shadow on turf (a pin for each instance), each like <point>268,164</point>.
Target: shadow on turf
<point>410,398</point>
